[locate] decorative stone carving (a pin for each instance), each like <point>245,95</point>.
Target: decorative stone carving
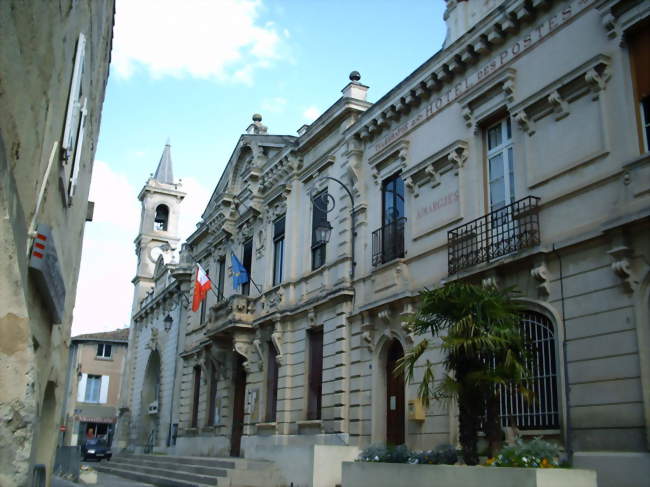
<point>468,116</point>
<point>457,157</point>
<point>405,323</point>
<point>509,89</point>
<point>597,81</point>
<point>541,274</point>
<point>311,317</point>
<point>276,338</point>
<point>621,265</point>
<point>490,279</point>
<point>385,315</point>
<point>559,104</point>
<point>524,123</point>
<point>367,332</point>
<point>152,344</point>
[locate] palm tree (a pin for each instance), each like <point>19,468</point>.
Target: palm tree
<point>479,331</point>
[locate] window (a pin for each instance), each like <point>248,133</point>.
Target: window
<point>388,241</point>
<point>221,265</point>
<point>161,219</point>
<point>319,216</point>
<point>315,382</point>
<point>271,383</point>
<point>247,262</point>
<point>104,350</point>
<point>639,43</point>
<point>500,164</point>
<point>278,250</point>
<point>542,412</point>
<point>93,386</point>
<point>197,395</point>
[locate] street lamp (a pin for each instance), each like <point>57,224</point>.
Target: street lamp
<point>324,229</point>
<point>168,322</point>
<point>323,232</point>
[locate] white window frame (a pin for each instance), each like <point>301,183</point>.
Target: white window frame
<point>505,148</point>
<point>92,393</point>
<point>645,123</point>
<point>103,347</point>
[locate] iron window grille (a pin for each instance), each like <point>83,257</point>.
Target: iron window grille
<point>388,242</point>
<point>542,410</point>
<point>501,232</point>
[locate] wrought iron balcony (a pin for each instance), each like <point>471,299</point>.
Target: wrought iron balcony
<point>497,234</point>
<point>388,242</point>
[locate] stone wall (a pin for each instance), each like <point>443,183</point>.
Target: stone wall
<point>37,54</point>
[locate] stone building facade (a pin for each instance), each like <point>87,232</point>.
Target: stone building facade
<point>96,368</point>
<point>54,59</point>
<point>516,155</point>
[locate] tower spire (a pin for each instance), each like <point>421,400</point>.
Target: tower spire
<point>164,173</point>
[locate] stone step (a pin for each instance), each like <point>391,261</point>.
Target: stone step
<point>203,461</point>
<point>160,481</point>
<point>170,473</point>
<point>170,464</point>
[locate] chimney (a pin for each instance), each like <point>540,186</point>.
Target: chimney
<point>354,89</point>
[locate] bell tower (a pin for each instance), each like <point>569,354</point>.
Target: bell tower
<point>161,198</point>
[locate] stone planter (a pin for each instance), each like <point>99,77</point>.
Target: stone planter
<point>364,474</point>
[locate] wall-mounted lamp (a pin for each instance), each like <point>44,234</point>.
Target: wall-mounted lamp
<point>168,321</point>
<point>323,232</point>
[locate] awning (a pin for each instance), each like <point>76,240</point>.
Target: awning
<point>96,414</point>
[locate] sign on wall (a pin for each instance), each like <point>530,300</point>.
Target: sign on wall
<point>46,271</point>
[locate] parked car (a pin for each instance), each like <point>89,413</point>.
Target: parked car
<point>96,448</point>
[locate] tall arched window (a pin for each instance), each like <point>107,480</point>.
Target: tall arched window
<point>162,217</point>
<point>542,411</point>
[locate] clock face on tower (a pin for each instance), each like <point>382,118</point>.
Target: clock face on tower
<point>154,253</point>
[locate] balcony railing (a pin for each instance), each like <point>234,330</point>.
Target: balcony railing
<point>388,242</point>
<point>499,233</point>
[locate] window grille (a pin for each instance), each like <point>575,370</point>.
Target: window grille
<point>542,411</point>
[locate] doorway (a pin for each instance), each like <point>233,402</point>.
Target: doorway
<point>239,384</point>
<point>395,397</point>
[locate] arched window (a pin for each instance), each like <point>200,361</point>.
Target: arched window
<point>162,217</point>
<point>542,411</point>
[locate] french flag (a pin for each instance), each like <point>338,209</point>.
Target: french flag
<point>202,285</point>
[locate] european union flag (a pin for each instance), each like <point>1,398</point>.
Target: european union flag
<point>239,272</point>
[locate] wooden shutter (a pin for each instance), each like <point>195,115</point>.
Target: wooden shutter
<point>639,43</point>
<point>103,389</point>
<point>81,389</point>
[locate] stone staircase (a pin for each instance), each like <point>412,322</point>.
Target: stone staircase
<point>172,471</point>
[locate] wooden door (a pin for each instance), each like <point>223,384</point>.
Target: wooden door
<point>238,407</point>
<point>395,407</point>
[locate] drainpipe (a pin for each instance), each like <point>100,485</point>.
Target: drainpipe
<point>567,420</point>
<point>171,401</point>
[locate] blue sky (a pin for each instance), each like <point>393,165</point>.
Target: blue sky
<point>195,71</point>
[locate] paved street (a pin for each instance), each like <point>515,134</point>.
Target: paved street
<point>103,480</point>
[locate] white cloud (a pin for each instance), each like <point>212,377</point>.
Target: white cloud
<point>274,105</point>
<point>108,261</point>
<point>220,39</point>
<point>311,113</point>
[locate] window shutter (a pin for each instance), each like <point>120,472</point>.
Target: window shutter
<point>103,390</point>
<point>77,152</point>
<point>73,96</point>
<point>81,390</point>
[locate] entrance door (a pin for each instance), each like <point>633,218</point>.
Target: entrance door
<point>395,397</point>
<point>238,407</point>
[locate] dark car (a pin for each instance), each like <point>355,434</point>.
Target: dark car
<point>96,448</point>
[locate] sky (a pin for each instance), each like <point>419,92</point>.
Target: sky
<point>195,71</point>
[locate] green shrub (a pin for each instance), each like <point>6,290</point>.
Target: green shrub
<point>386,454</point>
<point>536,453</point>
<point>443,454</point>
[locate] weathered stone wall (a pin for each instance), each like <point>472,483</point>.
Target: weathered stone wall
<point>37,52</point>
